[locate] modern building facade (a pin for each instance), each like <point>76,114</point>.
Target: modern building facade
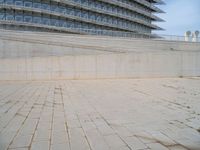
<point>102,17</point>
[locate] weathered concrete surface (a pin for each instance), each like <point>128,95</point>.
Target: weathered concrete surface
<point>129,65</point>
<point>28,44</point>
<point>128,114</point>
<point>32,56</point>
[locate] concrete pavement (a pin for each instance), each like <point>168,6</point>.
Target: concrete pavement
<point>126,114</point>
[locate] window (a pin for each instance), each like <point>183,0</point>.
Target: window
<point>28,3</point>
<point>2,14</point>
<point>10,15</point>
<point>45,6</point>
<point>1,1</point>
<point>37,18</point>
<point>19,16</point>
<point>9,2</point>
<point>28,17</point>
<point>19,2</point>
<point>36,4</point>
<point>46,20</point>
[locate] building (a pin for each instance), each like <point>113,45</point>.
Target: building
<point>102,17</point>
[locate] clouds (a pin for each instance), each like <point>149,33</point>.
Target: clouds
<point>181,15</point>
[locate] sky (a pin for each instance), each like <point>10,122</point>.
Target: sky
<point>180,16</point>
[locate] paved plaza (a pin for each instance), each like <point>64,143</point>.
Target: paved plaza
<point>123,114</point>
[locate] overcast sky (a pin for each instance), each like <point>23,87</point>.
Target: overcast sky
<point>180,16</point>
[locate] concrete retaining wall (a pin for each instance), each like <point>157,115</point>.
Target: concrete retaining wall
<point>33,60</point>
<point>132,65</point>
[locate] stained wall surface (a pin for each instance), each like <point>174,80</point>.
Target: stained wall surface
<point>27,56</point>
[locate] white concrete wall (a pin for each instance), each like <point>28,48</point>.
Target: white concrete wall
<point>131,65</point>
<point>41,58</point>
<point>14,44</point>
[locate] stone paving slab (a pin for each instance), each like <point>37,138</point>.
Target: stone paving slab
<point>124,114</point>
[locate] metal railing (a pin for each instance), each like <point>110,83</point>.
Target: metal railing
<point>176,38</point>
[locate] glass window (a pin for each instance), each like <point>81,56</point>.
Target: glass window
<point>19,2</point>
<point>53,6</point>
<point>62,9</point>
<point>65,24</point>
<point>45,5</point>
<point>57,22</point>
<point>54,21</point>
<point>1,1</point>
<point>70,24</point>
<point>98,18</point>
<point>36,18</point>
<point>28,3</point>
<point>28,17</point>
<point>2,14</point>
<point>70,10</point>
<point>84,14</point>
<point>9,2</point>
<point>78,13</point>
<point>46,19</point>
<point>36,4</point>
<point>19,16</point>
<point>10,15</point>
<point>61,23</point>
